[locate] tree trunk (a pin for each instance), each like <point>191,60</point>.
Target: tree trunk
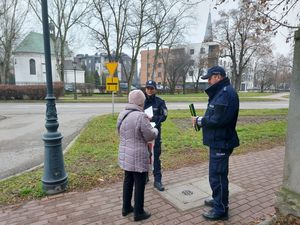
<point>237,82</point>
<point>288,197</point>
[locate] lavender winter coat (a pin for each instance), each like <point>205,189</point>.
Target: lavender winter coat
<point>135,131</point>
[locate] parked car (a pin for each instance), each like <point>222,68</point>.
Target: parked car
<point>161,87</point>
<point>124,87</point>
<point>69,88</point>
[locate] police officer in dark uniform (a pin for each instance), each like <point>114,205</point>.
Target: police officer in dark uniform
<point>160,112</point>
<point>219,133</point>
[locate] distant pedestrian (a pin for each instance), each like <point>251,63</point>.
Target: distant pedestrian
<point>135,131</point>
<point>219,133</point>
<point>160,113</point>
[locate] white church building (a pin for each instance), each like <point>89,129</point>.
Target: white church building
<point>29,63</point>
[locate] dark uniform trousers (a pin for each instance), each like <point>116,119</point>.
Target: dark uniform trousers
<point>159,116</point>
<point>218,177</point>
<point>138,180</point>
<point>156,159</point>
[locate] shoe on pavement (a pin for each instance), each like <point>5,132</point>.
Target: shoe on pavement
<point>159,186</point>
<point>145,215</point>
<point>212,215</point>
<point>209,202</point>
<point>125,212</point>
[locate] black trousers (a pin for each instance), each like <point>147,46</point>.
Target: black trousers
<point>138,180</point>
<point>218,177</point>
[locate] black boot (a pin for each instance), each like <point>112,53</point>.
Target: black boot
<point>159,186</point>
<point>212,215</point>
<point>209,202</point>
<point>125,212</point>
<point>145,215</point>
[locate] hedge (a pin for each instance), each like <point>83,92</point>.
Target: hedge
<point>28,92</point>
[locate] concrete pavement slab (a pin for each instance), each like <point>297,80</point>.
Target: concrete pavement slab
<point>192,193</point>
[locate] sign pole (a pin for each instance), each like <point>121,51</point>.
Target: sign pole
<point>112,83</point>
<point>113,102</point>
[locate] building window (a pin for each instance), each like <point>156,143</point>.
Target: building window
<point>191,73</point>
<point>192,51</point>
<point>202,50</point>
<point>159,74</point>
<point>32,67</point>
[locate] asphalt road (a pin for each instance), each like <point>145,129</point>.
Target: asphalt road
<point>23,124</point>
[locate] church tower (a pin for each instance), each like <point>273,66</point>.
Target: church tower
<point>209,48</point>
<point>208,32</point>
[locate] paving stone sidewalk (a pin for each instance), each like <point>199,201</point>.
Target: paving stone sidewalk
<point>259,174</point>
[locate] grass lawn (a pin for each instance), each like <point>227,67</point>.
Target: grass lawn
<point>195,97</point>
<point>92,160</point>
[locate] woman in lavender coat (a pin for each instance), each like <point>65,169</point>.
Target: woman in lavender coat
<point>135,131</point>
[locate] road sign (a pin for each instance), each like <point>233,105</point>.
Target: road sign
<point>112,84</point>
<point>111,67</point>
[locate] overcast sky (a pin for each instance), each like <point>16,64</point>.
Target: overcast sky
<point>83,44</point>
<point>197,34</point>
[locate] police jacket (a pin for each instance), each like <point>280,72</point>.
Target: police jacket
<point>160,110</point>
<point>219,121</point>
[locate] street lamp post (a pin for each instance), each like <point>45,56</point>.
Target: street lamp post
<point>54,179</point>
<point>75,88</point>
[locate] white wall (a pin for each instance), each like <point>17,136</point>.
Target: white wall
<point>70,78</point>
<point>22,68</point>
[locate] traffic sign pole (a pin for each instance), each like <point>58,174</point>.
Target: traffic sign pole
<point>113,103</point>
<point>112,83</point>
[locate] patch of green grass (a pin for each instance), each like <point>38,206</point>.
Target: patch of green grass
<point>264,112</point>
<point>92,161</point>
<point>194,97</point>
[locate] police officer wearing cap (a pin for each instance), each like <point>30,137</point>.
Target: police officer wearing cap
<point>160,112</point>
<point>219,133</point>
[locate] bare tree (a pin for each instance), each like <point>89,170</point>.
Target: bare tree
<point>274,14</point>
<point>283,72</point>
<point>63,15</point>
<point>12,16</point>
<point>202,64</point>
<point>164,17</point>
<point>175,38</point>
<point>258,57</point>
<point>265,74</point>
<point>240,33</point>
<point>137,33</point>
<point>108,26</point>
<point>271,72</point>
<point>178,65</point>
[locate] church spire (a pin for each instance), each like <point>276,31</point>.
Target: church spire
<point>208,32</point>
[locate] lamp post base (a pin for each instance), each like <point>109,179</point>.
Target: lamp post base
<point>55,178</point>
<point>52,188</point>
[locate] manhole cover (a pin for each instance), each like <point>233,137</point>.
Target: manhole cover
<point>187,192</point>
